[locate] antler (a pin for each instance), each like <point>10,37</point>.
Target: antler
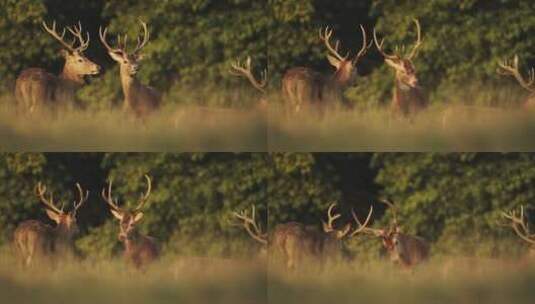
<point>144,196</point>
<point>365,45</point>
<point>107,197</point>
<point>394,210</point>
<point>519,225</point>
<point>245,70</point>
<point>103,33</point>
<point>40,190</point>
<point>363,227</point>
<point>75,30</point>
<point>325,36</point>
<point>83,198</point>
<point>328,227</point>
<point>508,69</point>
<point>250,225</point>
<point>141,43</point>
<point>418,43</point>
<point>414,50</point>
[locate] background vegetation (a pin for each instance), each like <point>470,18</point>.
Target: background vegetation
<point>193,43</point>
<point>452,200</point>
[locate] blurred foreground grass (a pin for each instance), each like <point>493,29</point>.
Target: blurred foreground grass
<point>192,128</point>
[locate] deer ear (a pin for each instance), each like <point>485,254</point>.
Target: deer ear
<point>117,56</point>
<point>117,214</point>
<point>140,57</point>
<point>326,227</point>
<point>138,217</point>
<point>52,215</point>
<point>333,61</point>
<point>394,63</point>
<point>64,53</point>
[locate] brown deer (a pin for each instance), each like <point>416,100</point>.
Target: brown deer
<point>297,242</point>
<point>522,230</point>
<point>35,87</point>
<point>244,70</point>
<point>33,238</point>
<point>140,99</point>
<point>508,68</point>
<point>140,250</point>
<point>404,249</point>
<point>302,87</point>
<point>408,96</point>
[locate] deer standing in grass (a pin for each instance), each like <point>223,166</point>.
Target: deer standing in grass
<point>35,239</point>
<point>404,249</point>
<point>140,250</point>
<point>238,69</point>
<point>297,242</point>
<point>507,68</point>
<point>140,99</point>
<point>521,228</point>
<point>408,96</point>
<point>302,86</point>
<point>36,87</point>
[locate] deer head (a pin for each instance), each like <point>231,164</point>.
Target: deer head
<point>508,68</point>
<point>76,64</point>
<point>519,225</point>
<point>401,63</point>
<point>127,218</point>
<point>65,221</point>
<point>251,226</point>
<point>128,61</point>
<point>344,65</point>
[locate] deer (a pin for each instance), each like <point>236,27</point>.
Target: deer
<point>508,68</point>
<point>35,87</point>
<point>33,238</point>
<point>244,70</point>
<point>408,97</point>
<point>303,87</point>
<point>139,99</point>
<point>404,249</point>
<point>297,242</point>
<point>519,225</point>
<point>140,249</point>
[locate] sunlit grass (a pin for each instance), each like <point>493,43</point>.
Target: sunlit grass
<point>195,128</point>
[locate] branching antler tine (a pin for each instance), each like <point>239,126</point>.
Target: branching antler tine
<point>509,69</point>
<point>248,222</point>
<point>144,196</point>
<point>365,46</point>
<point>83,198</point>
<point>102,34</point>
<point>362,227</point>
<point>53,32</point>
<point>325,37</point>
<point>108,198</point>
<point>146,36</point>
<point>379,45</point>
<point>40,191</point>
<point>418,43</point>
<point>519,226</point>
<point>238,70</point>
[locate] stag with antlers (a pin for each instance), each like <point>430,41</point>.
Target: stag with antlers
<point>521,228</point>
<point>140,250</point>
<point>408,96</point>
<point>302,86</point>
<point>404,249</point>
<point>296,242</point>
<point>33,238</point>
<point>35,86</point>
<point>508,68</point>
<point>138,98</point>
<point>244,70</point>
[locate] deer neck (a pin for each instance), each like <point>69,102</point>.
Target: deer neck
<point>342,76</point>
<point>129,83</point>
<point>132,240</point>
<point>69,74</point>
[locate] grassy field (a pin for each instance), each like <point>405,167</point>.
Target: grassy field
<point>192,128</point>
<point>215,280</point>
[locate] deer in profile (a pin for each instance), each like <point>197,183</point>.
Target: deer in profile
<point>408,97</point>
<point>508,68</point>
<point>140,249</point>
<point>244,70</point>
<point>519,225</point>
<point>33,238</point>
<point>302,87</point>
<point>35,87</point>
<point>139,99</point>
<point>297,242</point>
<point>404,249</point>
